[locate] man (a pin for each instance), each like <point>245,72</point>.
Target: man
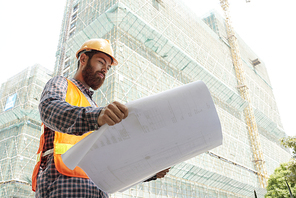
<point>69,114</point>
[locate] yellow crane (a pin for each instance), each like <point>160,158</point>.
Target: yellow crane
<point>244,91</point>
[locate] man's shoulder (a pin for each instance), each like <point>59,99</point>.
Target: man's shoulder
<point>57,80</point>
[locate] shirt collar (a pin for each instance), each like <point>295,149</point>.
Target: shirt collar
<point>82,87</point>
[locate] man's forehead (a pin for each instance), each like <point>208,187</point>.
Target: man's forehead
<point>102,55</point>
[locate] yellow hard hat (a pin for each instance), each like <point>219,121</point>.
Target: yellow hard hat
<point>102,45</point>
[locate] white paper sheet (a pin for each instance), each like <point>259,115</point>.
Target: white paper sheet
<point>160,131</point>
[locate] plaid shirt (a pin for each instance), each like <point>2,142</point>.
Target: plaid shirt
<point>58,115</point>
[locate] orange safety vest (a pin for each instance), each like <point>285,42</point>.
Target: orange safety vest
<point>63,141</point>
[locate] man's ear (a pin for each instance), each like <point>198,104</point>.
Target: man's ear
<point>83,60</point>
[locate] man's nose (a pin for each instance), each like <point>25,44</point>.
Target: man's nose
<point>104,70</point>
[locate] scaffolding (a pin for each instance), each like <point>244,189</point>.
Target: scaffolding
<point>161,45</point>
<point>20,131</point>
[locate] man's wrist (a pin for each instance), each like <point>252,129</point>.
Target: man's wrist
<point>92,116</point>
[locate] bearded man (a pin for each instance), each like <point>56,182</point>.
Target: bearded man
<point>69,113</point>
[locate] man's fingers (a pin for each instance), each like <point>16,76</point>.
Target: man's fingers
<point>112,114</point>
<point>114,108</point>
<point>122,108</point>
<point>109,121</point>
<point>107,117</point>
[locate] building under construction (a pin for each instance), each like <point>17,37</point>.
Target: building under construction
<point>161,44</point>
<point>20,130</point>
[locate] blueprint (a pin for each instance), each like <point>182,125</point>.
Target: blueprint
<point>160,131</point>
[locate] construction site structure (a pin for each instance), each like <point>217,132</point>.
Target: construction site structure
<point>161,44</point>
<point>20,130</point>
<point>244,91</point>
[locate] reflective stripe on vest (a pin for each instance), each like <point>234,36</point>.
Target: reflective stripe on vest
<point>63,141</point>
<point>38,157</point>
<point>61,148</point>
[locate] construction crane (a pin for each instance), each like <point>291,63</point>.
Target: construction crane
<point>244,91</point>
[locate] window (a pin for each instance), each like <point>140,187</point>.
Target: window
<point>75,8</point>
<point>74,16</point>
<point>155,4</point>
<point>71,33</point>
<point>67,64</point>
<point>73,25</point>
<point>67,54</point>
<point>66,73</point>
<point>256,62</point>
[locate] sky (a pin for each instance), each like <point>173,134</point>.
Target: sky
<point>30,32</point>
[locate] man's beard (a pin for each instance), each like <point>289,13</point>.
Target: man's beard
<point>91,77</point>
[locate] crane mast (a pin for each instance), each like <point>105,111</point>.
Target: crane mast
<point>244,91</point>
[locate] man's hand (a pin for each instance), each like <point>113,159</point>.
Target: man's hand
<point>161,174</point>
<point>112,114</point>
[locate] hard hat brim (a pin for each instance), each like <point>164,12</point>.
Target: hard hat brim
<point>114,61</point>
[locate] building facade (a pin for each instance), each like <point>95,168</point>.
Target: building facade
<point>161,44</point>
<point>20,130</point>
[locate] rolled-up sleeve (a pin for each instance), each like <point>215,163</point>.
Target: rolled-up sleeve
<point>59,115</point>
